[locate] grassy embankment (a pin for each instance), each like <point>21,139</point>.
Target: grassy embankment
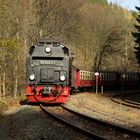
<point>8,103</point>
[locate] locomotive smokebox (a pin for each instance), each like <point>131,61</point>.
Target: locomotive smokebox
<point>47,75</point>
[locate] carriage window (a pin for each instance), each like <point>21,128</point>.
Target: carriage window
<point>86,75</point>
<point>83,75</point>
<point>93,77</point>
<point>90,76</point>
<point>102,76</point>
<point>126,78</point>
<point>108,77</point>
<point>105,77</point>
<point>111,76</point>
<point>136,78</point>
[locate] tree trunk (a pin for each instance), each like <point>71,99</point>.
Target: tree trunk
<point>3,85</point>
<point>0,86</point>
<point>16,81</point>
<point>15,87</point>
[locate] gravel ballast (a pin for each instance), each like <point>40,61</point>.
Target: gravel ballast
<point>28,122</point>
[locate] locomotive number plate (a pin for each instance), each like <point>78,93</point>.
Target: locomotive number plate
<point>50,62</point>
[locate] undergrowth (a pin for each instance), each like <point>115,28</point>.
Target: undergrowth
<point>5,104</point>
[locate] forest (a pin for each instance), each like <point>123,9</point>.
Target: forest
<point>98,33</point>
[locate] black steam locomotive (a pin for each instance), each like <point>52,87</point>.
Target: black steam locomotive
<point>48,72</point>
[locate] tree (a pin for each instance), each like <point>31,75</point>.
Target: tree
<point>10,65</point>
<point>58,18</point>
<point>102,2</point>
<point>103,34</point>
<point>136,36</point>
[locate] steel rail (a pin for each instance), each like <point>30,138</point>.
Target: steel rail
<point>79,129</point>
<point>132,102</point>
<point>118,127</point>
<point>126,103</point>
<point>89,132</point>
<point>118,118</point>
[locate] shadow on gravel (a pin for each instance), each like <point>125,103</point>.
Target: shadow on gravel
<point>24,102</point>
<point>4,129</point>
<point>30,123</point>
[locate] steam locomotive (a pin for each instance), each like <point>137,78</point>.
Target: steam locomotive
<point>51,77</point>
<point>48,72</point>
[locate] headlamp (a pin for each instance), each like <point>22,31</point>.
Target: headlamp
<point>48,49</point>
<point>62,78</point>
<point>32,77</point>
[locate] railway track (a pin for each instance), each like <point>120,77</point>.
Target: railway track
<point>91,127</point>
<point>112,116</point>
<point>132,102</point>
<point>72,125</point>
<point>120,100</point>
